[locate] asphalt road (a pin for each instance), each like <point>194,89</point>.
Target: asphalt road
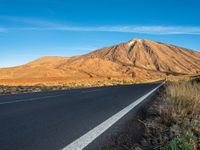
<point>53,120</point>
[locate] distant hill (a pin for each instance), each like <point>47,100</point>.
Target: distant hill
<point>137,58</point>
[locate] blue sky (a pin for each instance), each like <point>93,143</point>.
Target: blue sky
<point>30,29</point>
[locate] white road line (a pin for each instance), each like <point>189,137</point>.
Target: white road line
<point>90,136</point>
<point>30,99</point>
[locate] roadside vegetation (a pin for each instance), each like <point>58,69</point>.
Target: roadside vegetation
<point>28,89</point>
<point>181,112</point>
<point>170,122</point>
<point>177,127</point>
<point>23,88</point>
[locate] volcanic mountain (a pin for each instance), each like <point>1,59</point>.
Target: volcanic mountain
<point>137,58</point>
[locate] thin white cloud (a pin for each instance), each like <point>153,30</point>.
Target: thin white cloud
<point>139,29</point>
<point>42,25</point>
<point>125,29</point>
<point>30,21</point>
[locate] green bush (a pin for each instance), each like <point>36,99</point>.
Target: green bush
<point>186,141</point>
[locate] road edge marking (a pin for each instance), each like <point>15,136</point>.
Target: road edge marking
<point>91,135</point>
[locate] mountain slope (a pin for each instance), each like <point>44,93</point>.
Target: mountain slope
<point>152,56</point>
<point>135,59</point>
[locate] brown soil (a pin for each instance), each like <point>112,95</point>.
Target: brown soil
<point>138,60</point>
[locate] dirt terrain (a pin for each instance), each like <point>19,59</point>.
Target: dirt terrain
<point>136,61</point>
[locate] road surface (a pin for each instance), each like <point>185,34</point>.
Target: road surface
<point>58,119</point>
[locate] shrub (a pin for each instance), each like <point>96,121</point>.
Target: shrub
<point>185,142</point>
<point>182,101</point>
<point>181,110</point>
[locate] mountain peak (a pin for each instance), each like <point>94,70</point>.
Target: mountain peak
<point>150,55</point>
<point>134,40</point>
<point>137,58</point>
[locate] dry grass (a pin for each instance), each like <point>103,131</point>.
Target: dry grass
<point>46,84</point>
<point>182,101</point>
<point>74,82</point>
<point>172,122</point>
<point>29,89</point>
<point>181,78</point>
<point>178,125</point>
<point>181,113</point>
